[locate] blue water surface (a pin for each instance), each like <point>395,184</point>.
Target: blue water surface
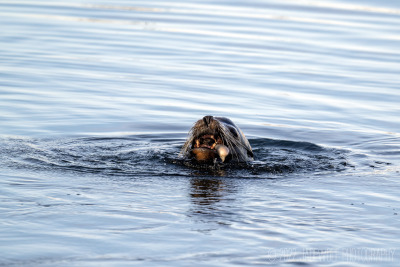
<point>97,98</point>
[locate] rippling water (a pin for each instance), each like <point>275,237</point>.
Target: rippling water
<point>97,97</point>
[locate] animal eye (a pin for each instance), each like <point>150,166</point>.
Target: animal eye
<point>233,131</point>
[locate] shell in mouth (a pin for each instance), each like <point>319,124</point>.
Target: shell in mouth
<point>207,141</point>
<point>208,147</point>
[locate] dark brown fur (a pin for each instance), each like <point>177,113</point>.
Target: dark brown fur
<point>219,130</point>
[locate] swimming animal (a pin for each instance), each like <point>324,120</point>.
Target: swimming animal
<point>216,139</point>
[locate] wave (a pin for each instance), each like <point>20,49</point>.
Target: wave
<point>153,155</point>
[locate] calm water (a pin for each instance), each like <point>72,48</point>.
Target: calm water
<point>97,97</point>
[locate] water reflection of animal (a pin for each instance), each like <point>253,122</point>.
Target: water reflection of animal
<point>212,201</point>
<point>213,139</point>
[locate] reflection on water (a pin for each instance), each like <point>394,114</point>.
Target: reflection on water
<point>213,203</point>
<point>205,193</point>
<point>96,100</point>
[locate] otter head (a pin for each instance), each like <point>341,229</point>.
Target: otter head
<point>216,138</point>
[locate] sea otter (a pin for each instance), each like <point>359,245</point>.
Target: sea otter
<point>216,139</point>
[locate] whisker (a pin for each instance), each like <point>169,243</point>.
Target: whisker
<point>238,145</point>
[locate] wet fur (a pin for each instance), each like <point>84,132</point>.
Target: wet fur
<point>232,137</point>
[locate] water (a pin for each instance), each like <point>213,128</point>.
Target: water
<point>96,99</point>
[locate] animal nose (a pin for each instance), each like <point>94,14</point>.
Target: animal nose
<point>208,119</point>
